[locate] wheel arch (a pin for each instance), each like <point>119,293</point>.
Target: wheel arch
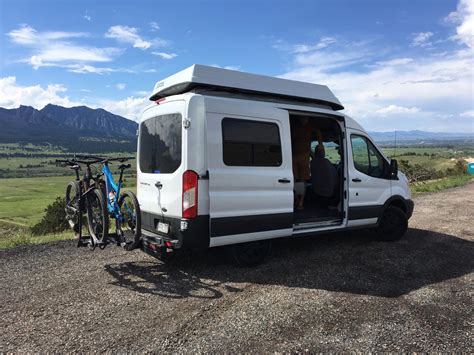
<point>395,201</point>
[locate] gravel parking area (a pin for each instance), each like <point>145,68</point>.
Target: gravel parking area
<point>338,292</point>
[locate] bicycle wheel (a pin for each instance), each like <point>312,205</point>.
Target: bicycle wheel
<point>130,220</point>
<point>97,218</point>
<point>72,205</point>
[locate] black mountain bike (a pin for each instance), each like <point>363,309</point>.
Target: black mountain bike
<point>84,197</point>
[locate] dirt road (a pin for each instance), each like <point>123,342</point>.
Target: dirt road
<point>335,292</point>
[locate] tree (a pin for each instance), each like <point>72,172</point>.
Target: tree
<point>54,219</point>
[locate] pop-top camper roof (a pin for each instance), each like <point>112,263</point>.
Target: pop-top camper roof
<point>202,76</point>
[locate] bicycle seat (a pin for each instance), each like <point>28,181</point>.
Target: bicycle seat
<point>124,166</point>
<point>74,167</point>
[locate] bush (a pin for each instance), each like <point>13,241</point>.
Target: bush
<point>54,219</point>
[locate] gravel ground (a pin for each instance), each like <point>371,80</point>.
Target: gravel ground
<point>328,293</point>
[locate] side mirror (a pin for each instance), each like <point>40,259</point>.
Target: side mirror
<point>393,171</point>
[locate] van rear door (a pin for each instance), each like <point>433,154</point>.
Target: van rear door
<point>250,173</point>
<point>159,162</point>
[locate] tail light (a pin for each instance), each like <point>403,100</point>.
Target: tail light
<point>190,194</point>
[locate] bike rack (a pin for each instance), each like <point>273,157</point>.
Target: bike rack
<point>86,241</point>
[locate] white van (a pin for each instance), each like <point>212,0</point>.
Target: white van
<point>217,163</point>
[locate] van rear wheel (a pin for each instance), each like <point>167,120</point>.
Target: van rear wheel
<point>250,254</point>
<point>393,224</point>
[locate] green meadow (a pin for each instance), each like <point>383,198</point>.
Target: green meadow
<point>23,200</point>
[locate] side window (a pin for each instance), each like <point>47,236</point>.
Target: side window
<point>250,143</point>
<point>366,157</point>
<point>360,154</point>
<point>376,162</point>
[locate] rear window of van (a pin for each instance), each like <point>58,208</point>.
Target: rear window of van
<point>160,144</point>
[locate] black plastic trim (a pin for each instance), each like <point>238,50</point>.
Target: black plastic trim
<point>195,237</point>
<point>364,212</point>
<point>409,204</point>
<point>377,211</point>
<point>188,86</point>
<point>250,224</point>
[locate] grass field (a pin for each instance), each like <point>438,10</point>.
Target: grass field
<point>15,235</point>
<point>441,184</point>
<point>23,200</point>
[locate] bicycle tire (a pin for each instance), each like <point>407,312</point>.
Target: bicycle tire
<point>97,216</point>
<point>72,208</point>
<point>130,210</point>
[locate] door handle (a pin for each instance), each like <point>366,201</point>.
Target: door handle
<point>284,181</point>
<point>357,180</point>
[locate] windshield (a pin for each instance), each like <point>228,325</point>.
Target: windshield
<point>160,144</point>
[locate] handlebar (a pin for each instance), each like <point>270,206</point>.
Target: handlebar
<point>104,159</point>
<point>70,163</point>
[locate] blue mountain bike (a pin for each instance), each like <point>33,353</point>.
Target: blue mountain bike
<point>122,206</point>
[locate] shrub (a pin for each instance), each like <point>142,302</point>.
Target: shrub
<point>54,219</point>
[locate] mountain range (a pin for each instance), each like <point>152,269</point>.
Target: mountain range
<point>421,137</point>
<point>73,128</point>
<point>83,129</point>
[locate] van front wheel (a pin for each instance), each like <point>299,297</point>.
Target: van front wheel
<point>393,224</point>
<point>250,254</point>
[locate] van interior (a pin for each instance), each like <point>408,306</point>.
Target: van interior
<point>322,201</point>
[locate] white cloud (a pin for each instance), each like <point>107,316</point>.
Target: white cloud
<point>421,39</point>
<point>88,69</point>
<point>127,34</point>
<point>87,17</point>
<point>464,18</point>
<point>52,49</point>
<point>130,107</point>
<point>468,114</point>
<point>322,43</point>
<point>13,95</point>
<point>410,93</point>
<point>121,86</point>
<point>164,55</point>
<point>228,67</point>
<point>395,62</point>
<point>154,26</point>
<point>27,35</point>
<point>394,109</point>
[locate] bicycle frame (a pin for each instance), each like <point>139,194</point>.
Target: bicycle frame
<point>112,191</point>
<point>84,190</point>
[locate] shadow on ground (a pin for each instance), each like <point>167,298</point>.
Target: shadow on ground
<point>350,262</point>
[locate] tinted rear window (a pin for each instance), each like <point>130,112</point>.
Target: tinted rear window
<point>250,143</point>
<point>160,144</point>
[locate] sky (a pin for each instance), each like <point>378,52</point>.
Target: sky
<point>394,65</point>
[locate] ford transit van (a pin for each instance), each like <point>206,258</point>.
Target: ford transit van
<point>232,158</point>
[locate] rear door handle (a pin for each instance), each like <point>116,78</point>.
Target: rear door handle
<point>357,180</point>
<point>284,181</point>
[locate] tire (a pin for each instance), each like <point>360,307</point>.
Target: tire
<point>250,254</point>
<point>131,225</point>
<point>72,208</point>
<point>97,216</point>
<point>393,224</point>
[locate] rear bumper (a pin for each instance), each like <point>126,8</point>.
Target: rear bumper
<point>190,234</point>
